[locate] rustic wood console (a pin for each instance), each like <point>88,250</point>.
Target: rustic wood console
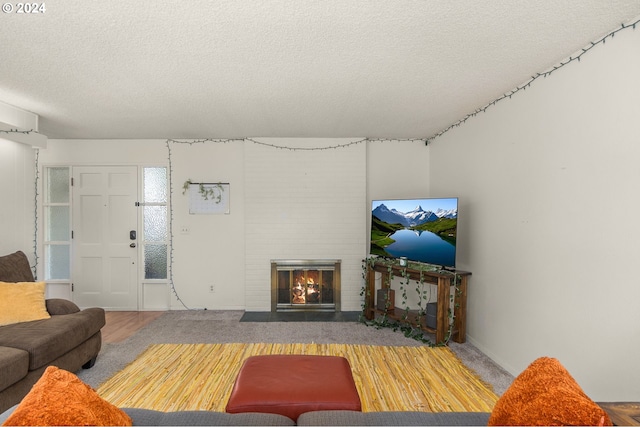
<point>444,280</point>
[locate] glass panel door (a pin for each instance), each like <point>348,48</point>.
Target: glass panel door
<point>57,231</point>
<point>155,239</point>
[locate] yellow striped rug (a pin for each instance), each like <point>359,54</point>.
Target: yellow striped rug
<point>173,377</point>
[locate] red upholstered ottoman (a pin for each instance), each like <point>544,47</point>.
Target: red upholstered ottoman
<point>291,385</point>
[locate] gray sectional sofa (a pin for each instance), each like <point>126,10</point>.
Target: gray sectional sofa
<point>70,339</point>
<point>145,417</point>
<point>316,418</point>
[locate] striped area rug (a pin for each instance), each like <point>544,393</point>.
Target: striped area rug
<point>173,377</point>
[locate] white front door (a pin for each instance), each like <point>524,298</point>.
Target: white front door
<point>105,227</point>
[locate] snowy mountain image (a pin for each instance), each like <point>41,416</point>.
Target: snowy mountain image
<point>451,213</point>
<point>423,230</point>
<point>412,218</point>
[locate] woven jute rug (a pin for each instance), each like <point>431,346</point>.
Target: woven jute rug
<point>174,377</point>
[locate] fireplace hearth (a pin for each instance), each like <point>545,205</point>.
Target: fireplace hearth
<point>305,285</point>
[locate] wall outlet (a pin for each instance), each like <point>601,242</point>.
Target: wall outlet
<point>184,230</point>
<point>212,289</point>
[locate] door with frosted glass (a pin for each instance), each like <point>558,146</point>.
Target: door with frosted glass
<point>105,253</point>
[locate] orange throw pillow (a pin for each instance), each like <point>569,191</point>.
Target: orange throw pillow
<point>546,394</point>
<point>59,398</point>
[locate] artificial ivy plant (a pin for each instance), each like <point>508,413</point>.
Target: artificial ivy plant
<point>421,290</point>
<point>210,192</point>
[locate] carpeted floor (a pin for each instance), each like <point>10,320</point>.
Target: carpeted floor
<point>176,377</point>
<point>195,327</point>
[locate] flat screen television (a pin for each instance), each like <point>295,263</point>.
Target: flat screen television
<point>422,230</point>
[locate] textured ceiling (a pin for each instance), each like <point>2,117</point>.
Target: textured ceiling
<point>278,68</point>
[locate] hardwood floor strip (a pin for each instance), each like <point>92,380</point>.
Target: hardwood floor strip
<point>122,324</point>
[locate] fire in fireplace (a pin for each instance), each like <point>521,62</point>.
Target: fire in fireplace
<point>305,285</point>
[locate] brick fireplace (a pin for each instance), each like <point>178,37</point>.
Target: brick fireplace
<point>305,285</point>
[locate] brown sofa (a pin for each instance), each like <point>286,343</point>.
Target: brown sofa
<point>70,339</point>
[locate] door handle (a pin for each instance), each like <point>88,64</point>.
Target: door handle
<point>133,245</point>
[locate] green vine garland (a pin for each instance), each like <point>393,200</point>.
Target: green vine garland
<point>404,325</point>
<point>212,191</point>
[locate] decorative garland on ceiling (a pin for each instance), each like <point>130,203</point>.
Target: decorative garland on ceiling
<point>284,147</point>
<point>535,77</point>
<point>24,132</point>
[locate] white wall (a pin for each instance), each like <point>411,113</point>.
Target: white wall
<point>17,201</point>
<point>277,195</point>
<point>397,170</point>
<point>549,194</point>
<point>104,152</point>
<point>305,204</point>
<point>212,253</point>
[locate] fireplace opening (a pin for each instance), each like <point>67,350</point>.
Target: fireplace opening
<point>305,285</point>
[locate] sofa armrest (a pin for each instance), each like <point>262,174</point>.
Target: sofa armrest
<point>61,306</point>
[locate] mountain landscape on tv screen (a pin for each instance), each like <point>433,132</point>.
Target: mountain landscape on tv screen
<point>420,235</point>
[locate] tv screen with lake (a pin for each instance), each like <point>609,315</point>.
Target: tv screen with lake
<point>422,230</point>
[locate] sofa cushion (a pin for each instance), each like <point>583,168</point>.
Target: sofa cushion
<point>546,394</point>
<point>22,302</point>
<point>146,417</point>
<point>14,365</point>
<point>46,340</point>
<point>61,306</point>
<point>15,268</point>
<point>59,398</point>
<point>409,418</point>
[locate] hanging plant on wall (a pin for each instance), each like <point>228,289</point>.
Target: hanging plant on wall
<point>211,192</point>
<point>207,197</point>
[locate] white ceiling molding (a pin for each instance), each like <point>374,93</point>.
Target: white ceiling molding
<point>20,126</point>
<point>36,140</point>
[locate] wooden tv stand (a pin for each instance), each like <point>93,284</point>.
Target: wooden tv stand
<point>444,280</point>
